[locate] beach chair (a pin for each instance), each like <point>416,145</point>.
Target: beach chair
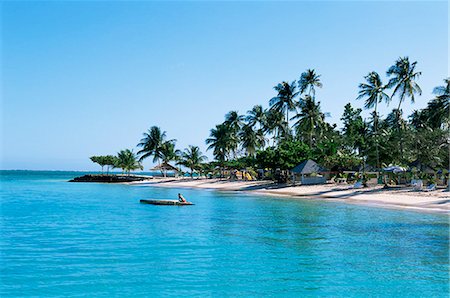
<point>430,187</point>
<point>418,185</point>
<point>358,184</point>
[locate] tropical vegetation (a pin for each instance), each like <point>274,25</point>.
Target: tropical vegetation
<point>294,127</point>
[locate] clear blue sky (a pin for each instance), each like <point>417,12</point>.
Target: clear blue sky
<point>88,78</point>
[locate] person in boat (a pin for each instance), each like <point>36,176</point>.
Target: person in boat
<point>181,198</point>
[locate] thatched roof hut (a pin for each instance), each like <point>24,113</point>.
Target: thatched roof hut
<point>165,167</point>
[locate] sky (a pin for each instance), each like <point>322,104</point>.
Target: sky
<point>85,78</point>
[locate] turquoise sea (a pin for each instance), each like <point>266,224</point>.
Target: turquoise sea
<point>64,239</point>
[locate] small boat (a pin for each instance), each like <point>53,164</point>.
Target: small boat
<point>165,202</point>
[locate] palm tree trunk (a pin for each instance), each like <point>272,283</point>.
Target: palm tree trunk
<point>376,136</point>
<point>399,130</point>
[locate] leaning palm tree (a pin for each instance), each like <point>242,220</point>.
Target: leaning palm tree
<point>439,107</point>
<point>219,142</point>
<point>127,161</point>
<point>308,81</point>
<point>374,93</point>
<point>153,144</point>
<point>276,125</point>
<point>192,158</point>
<point>310,120</point>
<point>233,120</point>
<point>255,116</point>
<point>443,90</point>
<point>285,99</point>
<point>403,81</point>
<point>404,76</point>
<point>251,139</point>
<point>168,154</point>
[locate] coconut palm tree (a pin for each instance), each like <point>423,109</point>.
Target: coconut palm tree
<point>233,120</point>
<point>255,116</point>
<point>404,76</point>
<point>373,92</point>
<point>192,158</point>
<point>443,90</point>
<point>168,154</point>
<point>310,120</point>
<point>251,139</point>
<point>285,99</point>
<point>219,142</point>
<point>438,108</point>
<point>153,144</point>
<point>308,81</point>
<point>127,161</point>
<point>276,125</point>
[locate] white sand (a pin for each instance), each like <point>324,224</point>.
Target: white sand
<point>404,198</point>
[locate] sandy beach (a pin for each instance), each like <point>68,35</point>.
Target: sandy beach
<point>376,196</point>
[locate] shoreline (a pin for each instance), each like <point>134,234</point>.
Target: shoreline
<point>404,198</point>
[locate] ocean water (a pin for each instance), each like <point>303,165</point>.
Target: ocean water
<point>60,239</point>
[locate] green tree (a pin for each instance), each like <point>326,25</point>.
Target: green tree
<point>310,122</point>
<point>109,161</point>
<point>308,81</point>
<point>127,161</point>
<point>251,139</point>
<point>374,93</point>
<point>403,79</point>
<point>219,142</point>
<point>168,154</point>
<point>354,129</point>
<point>256,115</point>
<point>153,144</point>
<point>98,160</point>
<point>192,158</point>
<point>285,99</point>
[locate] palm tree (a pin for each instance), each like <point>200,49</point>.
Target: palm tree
<point>310,119</point>
<point>219,142</point>
<point>403,80</point>
<point>153,144</point>
<point>276,125</point>
<point>285,99</point>
<point>251,139</point>
<point>404,83</point>
<point>233,120</point>
<point>192,158</point>
<point>439,107</point>
<point>443,90</point>
<point>168,154</point>
<point>374,93</point>
<point>127,161</point>
<point>255,116</point>
<point>309,80</point>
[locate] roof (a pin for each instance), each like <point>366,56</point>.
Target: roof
<point>308,167</point>
<point>164,167</point>
<point>422,167</point>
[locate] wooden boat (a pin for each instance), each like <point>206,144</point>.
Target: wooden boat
<point>165,202</point>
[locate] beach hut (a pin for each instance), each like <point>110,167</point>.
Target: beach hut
<point>309,172</point>
<point>164,168</point>
<point>393,172</point>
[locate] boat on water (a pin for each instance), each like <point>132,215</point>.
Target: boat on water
<point>166,202</point>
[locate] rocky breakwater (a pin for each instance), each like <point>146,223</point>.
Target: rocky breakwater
<point>110,178</point>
